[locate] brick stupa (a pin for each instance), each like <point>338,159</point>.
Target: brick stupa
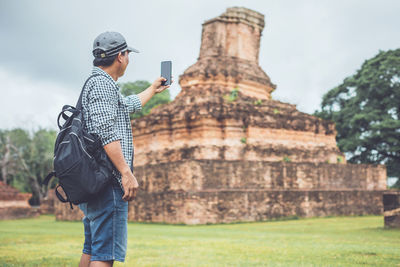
<point>224,151</point>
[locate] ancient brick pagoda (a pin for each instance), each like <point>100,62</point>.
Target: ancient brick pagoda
<point>224,151</point>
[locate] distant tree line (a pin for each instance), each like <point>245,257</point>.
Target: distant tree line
<point>26,157</point>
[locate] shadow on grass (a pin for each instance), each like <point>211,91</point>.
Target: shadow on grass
<point>278,219</point>
<point>289,218</point>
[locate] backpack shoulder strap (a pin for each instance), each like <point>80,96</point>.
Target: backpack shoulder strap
<point>79,103</point>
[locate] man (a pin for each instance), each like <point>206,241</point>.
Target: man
<point>106,113</point>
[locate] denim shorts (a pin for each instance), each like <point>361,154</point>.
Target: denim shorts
<point>105,224</point>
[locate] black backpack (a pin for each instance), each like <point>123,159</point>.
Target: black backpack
<point>80,162</point>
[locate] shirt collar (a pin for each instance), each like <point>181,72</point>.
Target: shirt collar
<point>97,70</point>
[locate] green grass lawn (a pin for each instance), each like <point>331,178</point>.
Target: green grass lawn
<point>336,241</point>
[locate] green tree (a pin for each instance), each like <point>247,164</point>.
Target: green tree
<point>39,162</point>
<point>26,159</point>
<point>13,144</point>
<point>366,110</point>
<point>139,86</point>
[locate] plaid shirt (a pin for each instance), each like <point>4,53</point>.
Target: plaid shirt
<point>106,113</point>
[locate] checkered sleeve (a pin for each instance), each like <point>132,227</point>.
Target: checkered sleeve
<point>103,107</point>
<point>133,102</point>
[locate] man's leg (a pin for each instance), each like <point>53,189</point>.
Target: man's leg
<point>101,263</point>
<point>85,260</point>
<point>86,253</point>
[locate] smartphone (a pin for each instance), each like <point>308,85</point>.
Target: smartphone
<point>166,71</point>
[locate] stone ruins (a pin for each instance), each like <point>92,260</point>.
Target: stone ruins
<point>224,151</point>
<point>13,204</point>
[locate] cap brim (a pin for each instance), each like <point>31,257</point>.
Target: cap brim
<point>131,49</point>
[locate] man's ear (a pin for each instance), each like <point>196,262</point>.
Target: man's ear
<point>119,57</point>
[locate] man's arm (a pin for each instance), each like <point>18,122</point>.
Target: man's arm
<point>102,106</point>
<point>153,89</point>
<point>129,182</point>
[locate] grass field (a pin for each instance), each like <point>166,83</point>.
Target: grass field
<point>336,241</point>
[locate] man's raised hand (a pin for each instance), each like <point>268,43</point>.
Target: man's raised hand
<point>157,84</point>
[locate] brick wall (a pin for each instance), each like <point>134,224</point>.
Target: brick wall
<point>201,191</point>
<point>224,206</point>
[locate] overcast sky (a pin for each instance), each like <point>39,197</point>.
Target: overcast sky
<point>307,47</point>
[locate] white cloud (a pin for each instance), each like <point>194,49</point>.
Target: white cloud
<point>29,103</point>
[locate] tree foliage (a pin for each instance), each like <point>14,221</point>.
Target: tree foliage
<point>25,160</point>
<point>139,86</point>
<point>366,110</point>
